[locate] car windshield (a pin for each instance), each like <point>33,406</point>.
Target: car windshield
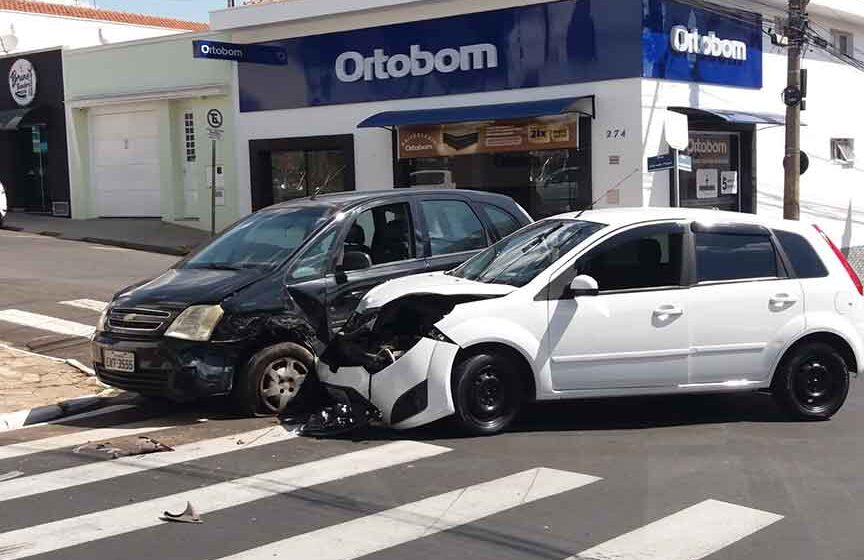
<point>518,259</point>
<point>263,240</point>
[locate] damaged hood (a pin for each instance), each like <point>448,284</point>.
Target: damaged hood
<point>434,283</point>
<point>187,286</point>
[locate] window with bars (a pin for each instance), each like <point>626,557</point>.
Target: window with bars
<point>843,151</point>
<point>843,42</point>
<point>189,129</point>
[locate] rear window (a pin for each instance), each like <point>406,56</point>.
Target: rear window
<point>722,256</point>
<point>805,262</point>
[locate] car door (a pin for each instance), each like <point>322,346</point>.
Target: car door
<point>634,332</point>
<point>743,304</point>
<point>386,233</point>
<point>452,231</point>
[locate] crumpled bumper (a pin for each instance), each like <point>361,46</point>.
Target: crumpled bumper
<point>411,392</point>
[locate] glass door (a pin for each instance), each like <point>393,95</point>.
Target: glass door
<point>715,181</point>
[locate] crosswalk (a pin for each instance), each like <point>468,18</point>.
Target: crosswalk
<point>373,496</point>
<point>60,329</point>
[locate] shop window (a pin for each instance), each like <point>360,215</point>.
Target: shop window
<point>453,227</point>
<point>843,151</point>
<point>189,133</point>
<point>715,181</point>
<point>299,173</point>
<point>721,256</point>
<point>843,42</point>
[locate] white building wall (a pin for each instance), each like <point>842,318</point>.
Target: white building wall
<point>41,31</point>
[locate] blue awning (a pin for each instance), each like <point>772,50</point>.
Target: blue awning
<point>500,111</point>
<point>732,117</point>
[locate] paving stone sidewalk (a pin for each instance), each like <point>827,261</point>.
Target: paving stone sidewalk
<point>29,380</point>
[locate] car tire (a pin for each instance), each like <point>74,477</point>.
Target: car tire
<point>487,392</point>
<point>812,382</point>
<point>273,380</point>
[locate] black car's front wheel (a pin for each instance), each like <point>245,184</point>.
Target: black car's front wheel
<point>487,392</point>
<point>812,382</point>
<point>273,380</point>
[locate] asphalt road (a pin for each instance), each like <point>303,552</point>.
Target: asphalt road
<point>717,477</point>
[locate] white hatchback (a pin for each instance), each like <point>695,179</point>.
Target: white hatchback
<point>3,204</point>
<point>609,303</point>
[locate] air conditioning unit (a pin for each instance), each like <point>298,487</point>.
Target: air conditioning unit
<point>60,209</point>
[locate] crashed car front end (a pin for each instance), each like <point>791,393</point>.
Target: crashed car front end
<point>391,362</point>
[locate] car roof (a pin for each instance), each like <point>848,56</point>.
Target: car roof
<point>344,200</point>
<point>619,217</point>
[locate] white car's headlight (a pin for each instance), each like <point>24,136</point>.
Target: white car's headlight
<point>103,320</point>
<point>196,323</point>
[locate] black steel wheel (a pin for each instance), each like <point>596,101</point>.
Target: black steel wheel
<point>487,392</point>
<point>272,381</point>
<point>812,381</point>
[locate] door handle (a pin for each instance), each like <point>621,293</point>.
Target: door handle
<point>783,299</point>
<point>669,310</point>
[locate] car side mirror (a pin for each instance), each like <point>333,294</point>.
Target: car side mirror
<point>584,285</point>
<point>355,260</point>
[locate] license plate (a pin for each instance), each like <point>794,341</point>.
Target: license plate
<point>119,361</point>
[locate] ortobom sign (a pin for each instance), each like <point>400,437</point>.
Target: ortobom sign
<point>258,54</point>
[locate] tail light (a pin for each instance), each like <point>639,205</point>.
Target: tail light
<point>839,254</point>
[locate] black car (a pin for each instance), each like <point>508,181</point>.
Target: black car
<point>246,314</point>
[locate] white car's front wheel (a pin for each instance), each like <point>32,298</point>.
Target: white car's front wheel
<point>487,392</point>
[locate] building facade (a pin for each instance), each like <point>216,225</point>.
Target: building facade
<point>559,104</point>
<point>34,155</point>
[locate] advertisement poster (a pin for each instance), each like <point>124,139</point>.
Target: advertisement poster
<point>706,183</point>
<point>545,133</point>
<point>729,182</point>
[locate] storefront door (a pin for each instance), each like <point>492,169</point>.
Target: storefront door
<point>31,177</point>
<point>721,178</point>
<point>292,168</point>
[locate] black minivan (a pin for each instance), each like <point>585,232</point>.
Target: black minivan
<point>246,314</point>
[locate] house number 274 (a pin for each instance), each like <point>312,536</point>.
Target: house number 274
<point>616,133</point>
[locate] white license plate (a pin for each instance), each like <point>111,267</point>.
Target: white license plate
<point>119,361</point>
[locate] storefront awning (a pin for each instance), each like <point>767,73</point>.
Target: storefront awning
<point>732,117</point>
<point>11,118</point>
<point>499,111</point>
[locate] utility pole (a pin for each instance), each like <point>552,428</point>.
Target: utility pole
<point>792,97</point>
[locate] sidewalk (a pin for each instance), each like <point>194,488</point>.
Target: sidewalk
<point>30,380</point>
<point>146,234</point>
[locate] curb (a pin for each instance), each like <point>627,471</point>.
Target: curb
<point>11,228</point>
<point>23,418</point>
<point>176,251</point>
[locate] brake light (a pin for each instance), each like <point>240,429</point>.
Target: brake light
<point>839,254</point>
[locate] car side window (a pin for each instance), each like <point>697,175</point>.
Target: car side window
<point>643,258</point>
<point>730,256</point>
<point>804,259</point>
<point>453,227</point>
<point>503,222</point>
<point>383,233</point>
<point>315,260</point>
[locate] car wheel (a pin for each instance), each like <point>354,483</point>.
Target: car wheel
<point>272,380</point>
<point>812,382</point>
<point>487,392</point>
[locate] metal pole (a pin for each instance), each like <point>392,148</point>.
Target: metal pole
<point>792,159</point>
<point>213,188</point>
<point>676,180</point>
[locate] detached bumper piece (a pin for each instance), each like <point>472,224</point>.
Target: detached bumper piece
<point>350,413</point>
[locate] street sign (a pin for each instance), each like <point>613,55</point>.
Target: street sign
<point>257,54</point>
<point>685,162</point>
<point>662,162</point>
<point>215,118</point>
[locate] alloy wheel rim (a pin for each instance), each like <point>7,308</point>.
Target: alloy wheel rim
<point>280,383</point>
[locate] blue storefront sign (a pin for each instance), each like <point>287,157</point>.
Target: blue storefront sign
<point>570,41</point>
<point>680,42</point>
<point>257,54</point>
<point>555,43</point>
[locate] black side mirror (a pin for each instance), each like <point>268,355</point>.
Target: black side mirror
<point>355,260</point>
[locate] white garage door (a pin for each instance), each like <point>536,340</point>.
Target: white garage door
<point>126,164</point>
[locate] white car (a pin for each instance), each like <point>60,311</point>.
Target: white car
<point>3,204</point>
<point>608,303</point>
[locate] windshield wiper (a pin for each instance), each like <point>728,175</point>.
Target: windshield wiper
<point>218,266</point>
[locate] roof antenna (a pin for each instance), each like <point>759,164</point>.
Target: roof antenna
<point>612,188</point>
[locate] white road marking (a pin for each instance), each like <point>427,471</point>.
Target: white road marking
<point>104,248</point>
<point>91,304</point>
<point>45,323</point>
<point>689,534</point>
<point>73,531</point>
<point>76,438</point>
<point>94,472</point>
<point>380,531</point>
<point>17,419</point>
